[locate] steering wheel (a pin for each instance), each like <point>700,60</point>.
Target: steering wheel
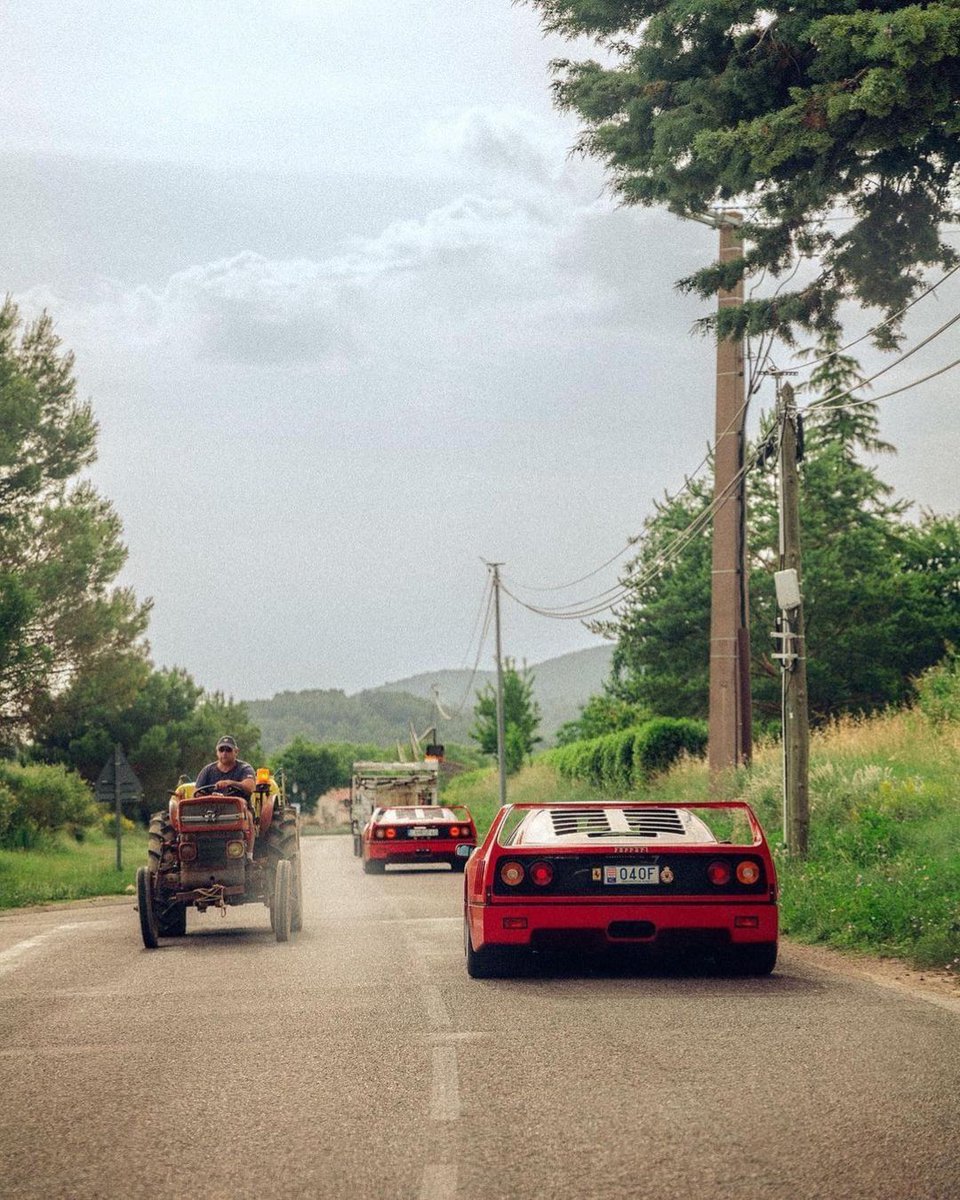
<point>212,790</point>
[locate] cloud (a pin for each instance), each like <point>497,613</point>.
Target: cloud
<point>503,143</point>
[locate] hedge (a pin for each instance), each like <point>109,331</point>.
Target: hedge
<point>630,757</point>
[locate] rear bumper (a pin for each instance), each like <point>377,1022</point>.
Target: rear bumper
<point>601,926</point>
<point>441,850</point>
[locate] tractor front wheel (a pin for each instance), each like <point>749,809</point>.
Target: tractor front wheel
<point>296,915</point>
<point>148,918</point>
<point>282,899</point>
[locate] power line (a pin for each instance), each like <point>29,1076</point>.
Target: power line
<point>829,401</point>
<point>488,593</point>
<point>885,395</point>
<point>594,605</point>
<point>876,328</point>
<point>755,378</point>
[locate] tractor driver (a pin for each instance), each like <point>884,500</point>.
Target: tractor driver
<point>228,773</point>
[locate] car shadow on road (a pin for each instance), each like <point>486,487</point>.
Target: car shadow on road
<point>554,966</point>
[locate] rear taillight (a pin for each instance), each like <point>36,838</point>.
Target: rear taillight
<point>541,873</point>
<point>188,851</point>
<point>512,873</point>
<point>747,872</point>
<point>390,833</point>
<point>718,873</point>
<point>379,833</point>
<point>454,830</point>
<point>235,849</point>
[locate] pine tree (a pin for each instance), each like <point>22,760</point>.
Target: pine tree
<point>793,110</point>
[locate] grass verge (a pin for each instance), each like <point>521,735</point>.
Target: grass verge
<point>65,869</point>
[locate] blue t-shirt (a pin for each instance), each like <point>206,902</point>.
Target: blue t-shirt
<point>211,774</point>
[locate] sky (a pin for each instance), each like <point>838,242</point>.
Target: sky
<point>354,319</point>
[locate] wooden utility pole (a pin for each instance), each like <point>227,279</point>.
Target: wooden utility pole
<point>730,733</point>
<point>793,655</point>
<point>501,747</point>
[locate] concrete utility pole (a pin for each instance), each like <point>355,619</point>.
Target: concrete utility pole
<point>501,756</point>
<point>793,652</point>
<point>730,731</point>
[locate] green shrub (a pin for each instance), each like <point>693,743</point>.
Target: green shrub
<point>660,742</point>
<point>630,757</point>
<point>938,690</point>
<point>38,800</point>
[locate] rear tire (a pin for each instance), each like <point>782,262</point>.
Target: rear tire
<point>458,864</point>
<point>493,962</point>
<point>757,959</point>
<point>282,900</point>
<point>374,866</point>
<point>148,918</point>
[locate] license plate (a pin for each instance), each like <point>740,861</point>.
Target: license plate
<point>464,851</point>
<point>634,873</point>
<point>422,831</point>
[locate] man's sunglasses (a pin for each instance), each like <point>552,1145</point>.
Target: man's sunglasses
<point>225,750</point>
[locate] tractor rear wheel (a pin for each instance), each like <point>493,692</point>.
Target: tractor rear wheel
<point>148,918</point>
<point>282,899</point>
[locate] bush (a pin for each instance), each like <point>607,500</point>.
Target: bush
<point>938,690</point>
<point>35,801</point>
<point>631,757</point>
<point>659,743</point>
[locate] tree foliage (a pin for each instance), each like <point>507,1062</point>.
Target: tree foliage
<point>313,768</point>
<point>602,714</point>
<point>793,111</point>
<point>521,717</point>
<point>61,617</point>
<point>164,721</point>
<point>881,593</point>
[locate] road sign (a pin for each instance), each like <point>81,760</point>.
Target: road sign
<point>116,784</point>
<point>117,775</point>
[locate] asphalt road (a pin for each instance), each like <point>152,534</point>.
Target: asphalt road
<point>360,1060</point>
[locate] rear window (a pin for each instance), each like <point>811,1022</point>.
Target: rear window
<point>625,824</point>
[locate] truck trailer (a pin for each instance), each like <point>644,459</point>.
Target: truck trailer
<point>389,785</point>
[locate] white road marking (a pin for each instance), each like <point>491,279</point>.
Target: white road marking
<point>445,1091</point>
<point>10,958</point>
<point>437,1012</point>
<point>439,1182</point>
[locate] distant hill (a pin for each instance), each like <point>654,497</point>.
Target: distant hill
<point>383,715</point>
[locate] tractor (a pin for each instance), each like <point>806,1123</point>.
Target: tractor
<point>213,849</point>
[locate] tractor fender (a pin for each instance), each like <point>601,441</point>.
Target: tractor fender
<point>175,812</point>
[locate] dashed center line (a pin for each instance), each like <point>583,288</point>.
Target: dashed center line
<point>439,1182</point>
<point>10,958</point>
<point>445,1091</point>
<point>437,1012</point>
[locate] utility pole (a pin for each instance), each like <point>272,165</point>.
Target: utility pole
<point>501,756</point>
<point>730,732</point>
<point>793,653</point>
